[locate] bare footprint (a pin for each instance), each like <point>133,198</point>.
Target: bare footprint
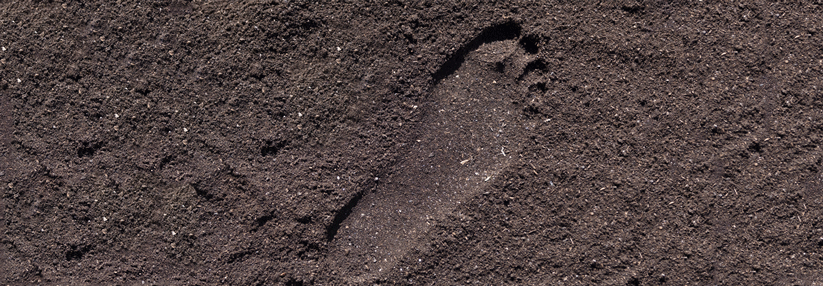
<point>473,133</point>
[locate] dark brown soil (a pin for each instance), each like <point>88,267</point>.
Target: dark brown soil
<point>411,142</point>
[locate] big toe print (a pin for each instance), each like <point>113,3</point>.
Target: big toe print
<point>472,132</point>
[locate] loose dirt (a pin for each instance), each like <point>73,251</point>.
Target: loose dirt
<point>411,142</point>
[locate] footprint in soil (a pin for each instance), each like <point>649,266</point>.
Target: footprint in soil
<point>473,132</point>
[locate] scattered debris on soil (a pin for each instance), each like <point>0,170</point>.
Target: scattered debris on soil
<point>590,142</point>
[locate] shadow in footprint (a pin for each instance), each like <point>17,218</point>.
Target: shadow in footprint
<point>471,133</point>
<point>505,31</point>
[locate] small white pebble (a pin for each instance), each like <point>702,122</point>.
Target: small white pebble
<point>4,49</point>
<point>185,129</point>
<point>376,178</point>
<point>299,114</point>
<point>18,80</point>
<point>116,115</point>
<point>338,49</point>
<point>105,219</point>
<point>173,233</point>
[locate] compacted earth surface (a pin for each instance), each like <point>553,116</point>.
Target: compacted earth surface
<point>411,142</point>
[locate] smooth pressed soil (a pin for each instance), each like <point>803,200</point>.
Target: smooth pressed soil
<point>411,143</point>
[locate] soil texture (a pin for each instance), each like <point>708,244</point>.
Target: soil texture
<point>422,142</point>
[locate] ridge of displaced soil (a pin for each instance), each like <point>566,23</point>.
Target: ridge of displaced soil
<point>237,143</point>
